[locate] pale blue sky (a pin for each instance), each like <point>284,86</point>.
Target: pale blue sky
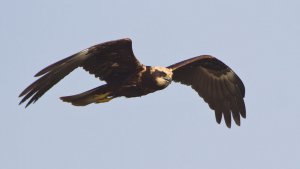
<point>170,129</point>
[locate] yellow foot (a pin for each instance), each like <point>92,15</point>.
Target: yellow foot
<point>102,98</point>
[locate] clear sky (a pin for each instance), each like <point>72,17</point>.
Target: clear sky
<point>170,129</point>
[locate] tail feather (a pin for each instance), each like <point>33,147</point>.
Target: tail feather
<point>92,96</point>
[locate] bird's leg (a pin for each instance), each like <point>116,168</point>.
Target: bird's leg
<point>102,98</point>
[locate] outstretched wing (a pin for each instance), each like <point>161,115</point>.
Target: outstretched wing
<point>216,83</point>
<point>111,61</point>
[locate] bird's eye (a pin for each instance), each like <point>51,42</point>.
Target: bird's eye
<point>162,74</point>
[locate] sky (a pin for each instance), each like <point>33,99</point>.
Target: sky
<point>169,129</point>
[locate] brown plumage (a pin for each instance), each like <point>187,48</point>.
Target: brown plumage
<point>115,63</point>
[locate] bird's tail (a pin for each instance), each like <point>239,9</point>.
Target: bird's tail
<point>99,94</point>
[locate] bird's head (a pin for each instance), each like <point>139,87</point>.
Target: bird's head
<point>162,76</point>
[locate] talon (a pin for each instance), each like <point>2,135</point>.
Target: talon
<point>104,100</point>
<point>101,96</point>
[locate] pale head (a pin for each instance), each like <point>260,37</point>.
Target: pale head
<point>161,75</point>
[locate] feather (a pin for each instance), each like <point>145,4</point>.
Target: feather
<point>97,60</point>
<point>219,86</point>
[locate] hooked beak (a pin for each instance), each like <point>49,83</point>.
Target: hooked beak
<point>169,80</point>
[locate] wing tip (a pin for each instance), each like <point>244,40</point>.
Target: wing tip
<point>22,101</point>
<point>21,94</point>
<point>243,115</point>
<point>39,73</point>
<point>228,124</point>
<point>238,123</point>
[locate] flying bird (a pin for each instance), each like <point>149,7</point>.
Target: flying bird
<point>114,62</point>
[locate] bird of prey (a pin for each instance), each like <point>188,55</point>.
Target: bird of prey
<point>115,63</point>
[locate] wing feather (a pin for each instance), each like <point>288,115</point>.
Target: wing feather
<point>111,61</point>
<point>216,83</point>
<point>218,115</point>
<point>227,113</point>
<point>235,112</point>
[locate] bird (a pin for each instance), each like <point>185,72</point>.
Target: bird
<point>115,63</point>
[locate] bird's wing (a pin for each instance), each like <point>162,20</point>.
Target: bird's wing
<point>111,61</point>
<point>216,83</point>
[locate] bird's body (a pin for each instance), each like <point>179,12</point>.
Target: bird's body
<point>115,63</point>
<point>144,81</point>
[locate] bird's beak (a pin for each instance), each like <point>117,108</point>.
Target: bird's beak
<point>169,80</point>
